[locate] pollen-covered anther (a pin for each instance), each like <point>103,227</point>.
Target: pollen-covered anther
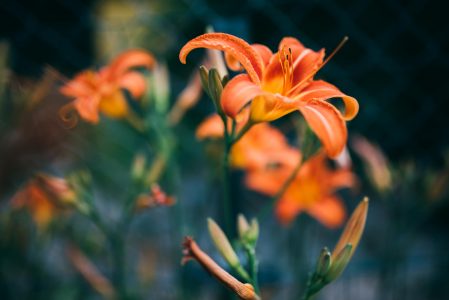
<point>286,61</point>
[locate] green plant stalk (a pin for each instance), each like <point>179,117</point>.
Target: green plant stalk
<point>253,266</point>
<point>314,285</point>
<point>226,180</point>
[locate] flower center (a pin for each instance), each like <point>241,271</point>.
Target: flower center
<point>286,61</point>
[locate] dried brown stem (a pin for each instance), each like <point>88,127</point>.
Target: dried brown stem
<point>192,251</point>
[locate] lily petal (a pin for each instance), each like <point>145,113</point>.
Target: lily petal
<point>342,179</point>
<point>212,127</point>
<point>321,90</point>
<point>287,209</point>
<point>289,41</point>
<point>130,59</point>
<point>327,123</point>
<point>87,108</point>
<point>232,45</point>
<point>268,107</point>
<point>329,211</point>
<point>264,52</point>
<point>82,85</point>
<point>237,93</point>
<point>134,82</point>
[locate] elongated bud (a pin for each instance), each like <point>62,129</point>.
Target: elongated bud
<point>215,88</point>
<point>242,225</point>
<point>222,243</point>
<point>161,88</point>
<point>204,76</point>
<point>353,229</point>
<point>324,262</point>
<point>58,188</point>
<point>138,167</point>
<point>339,263</point>
<point>248,233</point>
<point>215,57</point>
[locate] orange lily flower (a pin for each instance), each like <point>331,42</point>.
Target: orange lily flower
<point>102,90</point>
<point>311,191</point>
<point>45,197</point>
<point>280,83</point>
<point>261,147</point>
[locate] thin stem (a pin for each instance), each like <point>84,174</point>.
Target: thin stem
<point>253,266</point>
<point>227,205</point>
<point>242,131</point>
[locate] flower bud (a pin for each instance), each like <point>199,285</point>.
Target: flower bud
<point>353,229</point>
<point>248,233</point>
<point>215,88</point>
<point>204,76</point>
<point>222,243</point>
<point>160,88</point>
<point>138,167</point>
<point>324,262</point>
<point>339,263</point>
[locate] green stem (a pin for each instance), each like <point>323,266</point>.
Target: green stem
<point>254,266</point>
<point>227,205</point>
<point>241,132</point>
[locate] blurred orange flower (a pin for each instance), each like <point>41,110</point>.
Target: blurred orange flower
<point>102,90</point>
<point>375,162</point>
<point>45,197</point>
<point>280,83</point>
<point>261,147</point>
<point>311,191</point>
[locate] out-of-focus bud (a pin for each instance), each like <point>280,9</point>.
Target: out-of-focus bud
<point>57,188</point>
<point>186,99</point>
<point>92,275</point>
<point>324,262</point>
<point>222,243</point>
<point>156,197</point>
<point>138,167</point>
<point>375,163</point>
<point>242,225</point>
<point>160,88</point>
<point>215,88</point>
<point>204,77</point>
<point>248,233</point>
<point>45,197</point>
<point>343,160</point>
<point>215,58</point>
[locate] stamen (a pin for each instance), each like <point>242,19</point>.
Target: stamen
<point>286,62</point>
<point>339,46</point>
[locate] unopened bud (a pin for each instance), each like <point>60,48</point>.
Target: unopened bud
<point>248,233</point>
<point>339,263</point>
<point>138,167</point>
<point>204,76</point>
<point>215,88</point>
<point>353,229</point>
<point>222,243</point>
<point>57,188</point>
<point>324,262</point>
<point>242,225</point>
